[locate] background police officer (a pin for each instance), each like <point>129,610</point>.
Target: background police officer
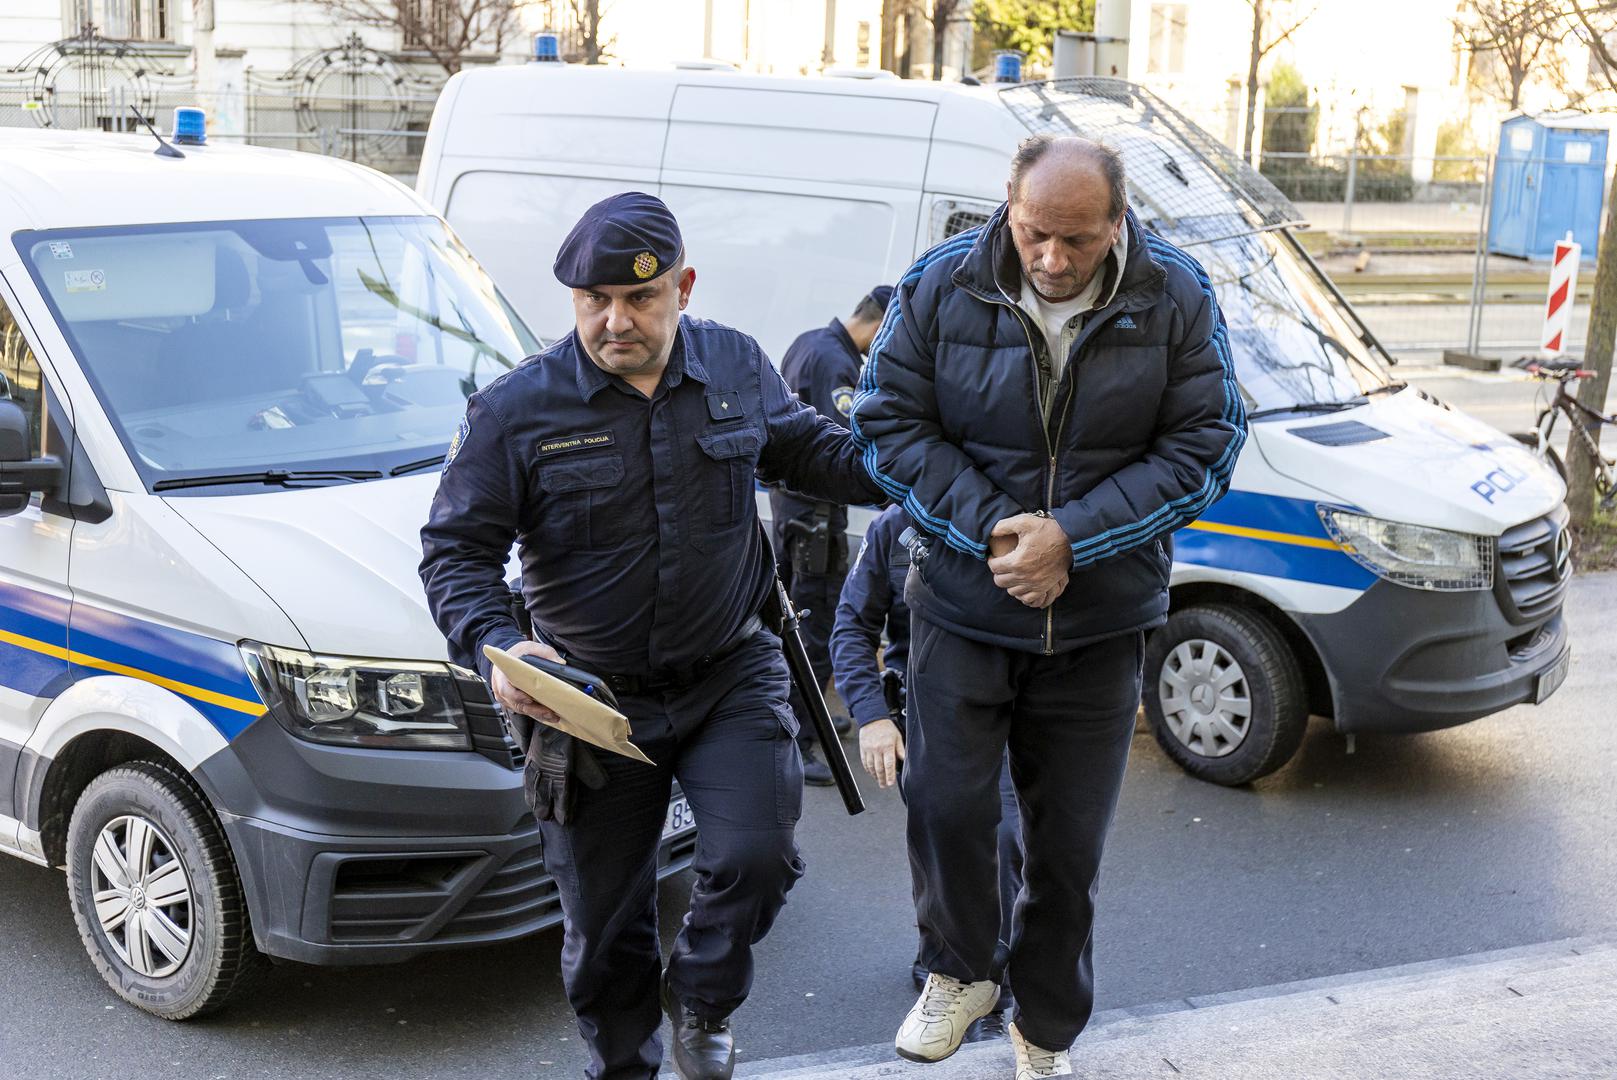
<point>811,536</point>
<point>621,462</point>
<point>1051,396</point>
<point>872,601</point>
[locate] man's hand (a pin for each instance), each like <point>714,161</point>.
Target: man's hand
<point>1035,569</point>
<point>881,748</point>
<point>515,700</point>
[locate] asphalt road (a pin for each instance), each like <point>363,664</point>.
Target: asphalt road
<point>1485,836</point>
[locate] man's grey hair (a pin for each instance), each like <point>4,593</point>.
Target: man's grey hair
<point>1103,157</point>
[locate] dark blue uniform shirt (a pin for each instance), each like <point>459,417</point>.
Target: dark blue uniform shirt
<point>635,517</point>
<point>822,368</point>
<point>872,597</point>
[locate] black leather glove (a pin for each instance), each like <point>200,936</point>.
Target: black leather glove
<point>555,761</point>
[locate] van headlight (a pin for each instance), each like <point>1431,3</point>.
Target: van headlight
<point>345,701</point>
<point>1418,556</point>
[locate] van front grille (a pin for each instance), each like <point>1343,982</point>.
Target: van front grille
<point>484,722</point>
<point>1535,564</point>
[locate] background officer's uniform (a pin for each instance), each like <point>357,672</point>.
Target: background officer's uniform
<point>822,368</point>
<point>873,600</point>
<point>642,560</point>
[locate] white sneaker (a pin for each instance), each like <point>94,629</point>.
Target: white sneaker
<point>939,1019</point>
<point>1035,1062</point>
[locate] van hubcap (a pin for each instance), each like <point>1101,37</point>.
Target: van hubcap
<point>1206,701</point>
<point>142,896</point>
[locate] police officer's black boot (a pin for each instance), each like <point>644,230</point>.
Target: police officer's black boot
<point>703,1049</point>
<point>815,772</point>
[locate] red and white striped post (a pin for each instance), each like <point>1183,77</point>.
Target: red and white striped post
<point>1563,288</point>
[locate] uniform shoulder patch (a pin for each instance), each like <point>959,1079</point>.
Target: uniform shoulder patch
<point>842,398</point>
<point>460,437</point>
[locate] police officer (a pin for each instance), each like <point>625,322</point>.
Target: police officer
<point>1051,396</point>
<point>873,600</point>
<point>621,462</point>
<point>811,536</point>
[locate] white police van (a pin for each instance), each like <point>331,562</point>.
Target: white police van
<point>1381,559</point>
<point>229,381</point>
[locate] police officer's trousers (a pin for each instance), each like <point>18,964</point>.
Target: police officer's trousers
<point>728,740</point>
<point>1068,720</point>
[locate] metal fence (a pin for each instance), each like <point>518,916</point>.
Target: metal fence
<point>1407,240</point>
<point>350,101</point>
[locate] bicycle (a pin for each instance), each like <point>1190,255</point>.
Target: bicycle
<point>1565,374</point>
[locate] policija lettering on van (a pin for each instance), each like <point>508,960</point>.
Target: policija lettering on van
<point>1497,482</point>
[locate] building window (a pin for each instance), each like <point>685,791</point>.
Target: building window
<point>1167,39</point>
<point>123,20</point>
<point>864,45</point>
<point>425,21</point>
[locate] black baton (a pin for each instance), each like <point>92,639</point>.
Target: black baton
<point>809,687</point>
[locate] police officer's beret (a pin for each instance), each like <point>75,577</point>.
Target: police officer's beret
<point>627,239</point>
<point>882,295</point>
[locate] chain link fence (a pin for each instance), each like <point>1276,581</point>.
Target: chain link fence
<point>1412,243</point>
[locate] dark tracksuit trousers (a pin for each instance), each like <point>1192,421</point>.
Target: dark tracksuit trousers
<point>1067,720</point>
<point>1008,845</point>
<point>729,742</point>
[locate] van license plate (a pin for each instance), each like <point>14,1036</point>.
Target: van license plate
<point>1551,680</point>
<point>679,818</point>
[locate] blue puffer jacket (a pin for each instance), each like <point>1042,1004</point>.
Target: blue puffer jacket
<point>1143,434</point>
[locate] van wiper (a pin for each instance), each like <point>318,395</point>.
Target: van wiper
<point>1329,406</point>
<point>282,477</point>
<point>1306,406</point>
<point>417,466</point>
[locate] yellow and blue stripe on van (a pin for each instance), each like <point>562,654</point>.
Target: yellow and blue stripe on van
<point>39,657</point>
<point>1281,537</point>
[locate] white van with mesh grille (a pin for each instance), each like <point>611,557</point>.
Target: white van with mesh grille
<point>1381,560</point>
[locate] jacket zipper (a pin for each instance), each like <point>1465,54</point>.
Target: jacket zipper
<point>1049,448</point>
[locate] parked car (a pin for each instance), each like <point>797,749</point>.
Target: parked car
<point>229,382</point>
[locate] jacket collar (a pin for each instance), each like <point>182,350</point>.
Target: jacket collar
<point>992,271</point>
<point>682,361</point>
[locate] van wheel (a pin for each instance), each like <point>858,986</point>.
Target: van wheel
<point>155,893</point>
<point>1224,694</point>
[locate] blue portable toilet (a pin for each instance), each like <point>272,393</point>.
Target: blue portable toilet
<point>1549,179</point>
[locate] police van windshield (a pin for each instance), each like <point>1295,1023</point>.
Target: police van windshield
<point>241,353</point>
<point>1292,341</point>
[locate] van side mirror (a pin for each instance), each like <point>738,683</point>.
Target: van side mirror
<point>21,473</point>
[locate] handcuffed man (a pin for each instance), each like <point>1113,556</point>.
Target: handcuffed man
<point>1049,397</point>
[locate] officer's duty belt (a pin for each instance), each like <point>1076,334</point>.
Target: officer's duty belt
<point>665,679</point>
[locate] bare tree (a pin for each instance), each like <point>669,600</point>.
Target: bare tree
<point>1596,25</point>
<point>587,16</point>
<point>1265,39</point>
<point>1508,40</point>
<point>943,13</point>
<point>447,30</point>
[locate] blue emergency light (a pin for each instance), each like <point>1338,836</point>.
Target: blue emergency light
<point>190,126</point>
<point>1008,66</point>
<point>546,48</point>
